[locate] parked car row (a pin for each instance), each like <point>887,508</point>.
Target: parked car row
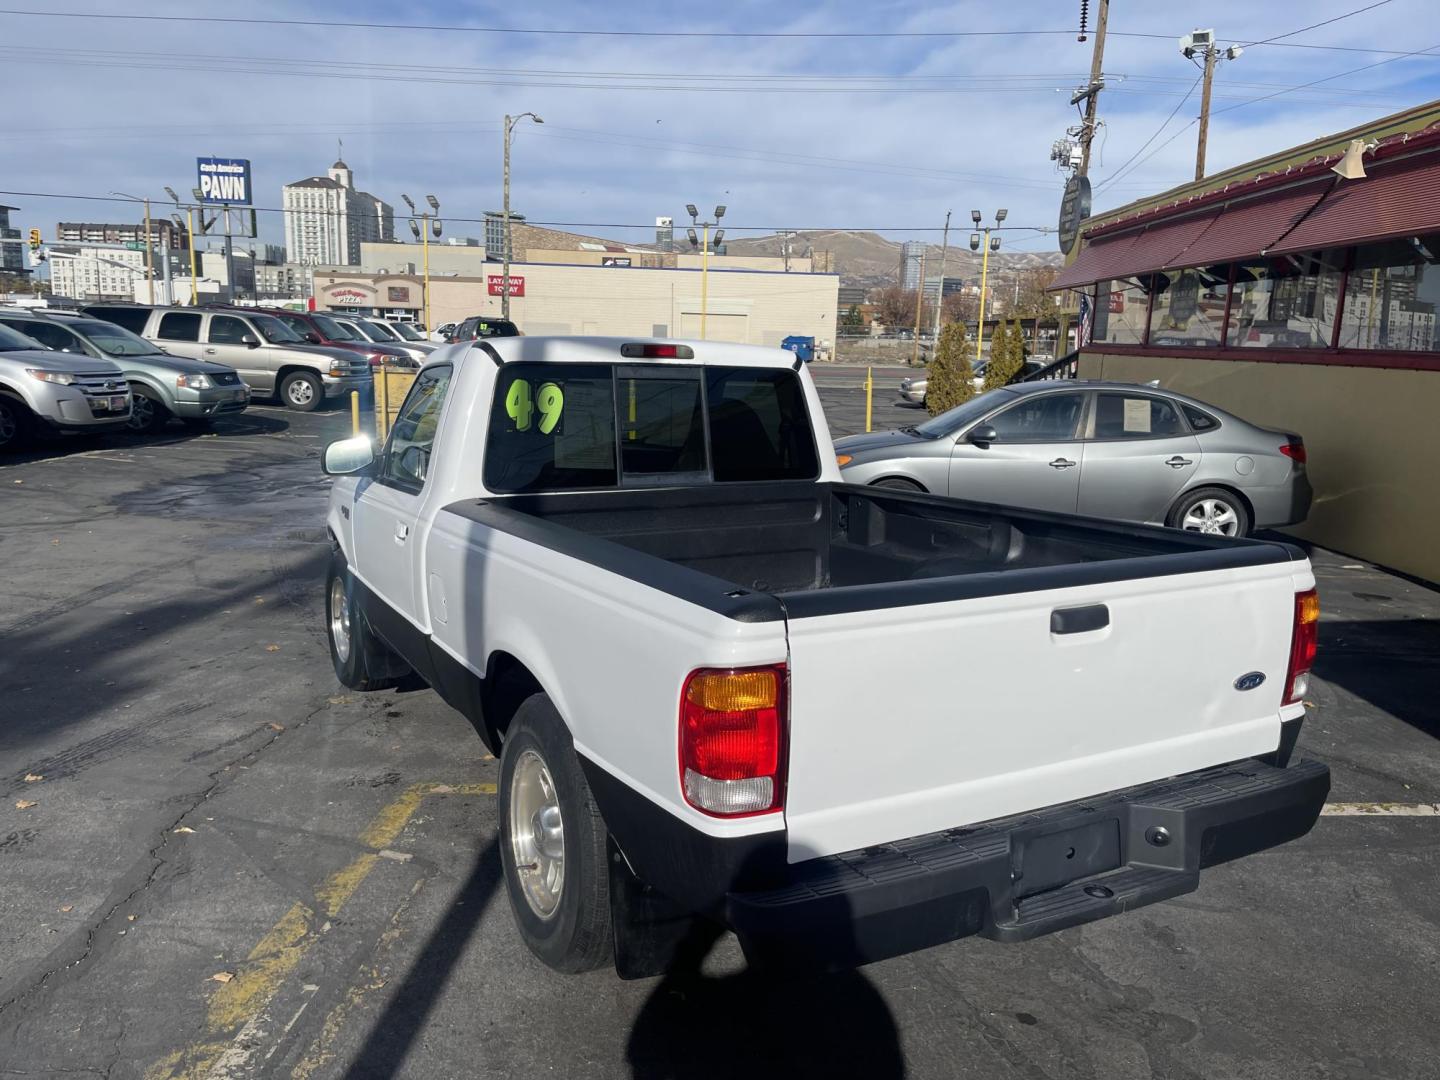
<point>913,390</point>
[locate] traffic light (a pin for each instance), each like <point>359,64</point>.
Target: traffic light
<point>35,240</point>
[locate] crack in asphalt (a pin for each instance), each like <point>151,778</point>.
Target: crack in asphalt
<point>157,860</point>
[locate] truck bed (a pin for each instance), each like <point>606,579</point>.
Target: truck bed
<point>826,548</point>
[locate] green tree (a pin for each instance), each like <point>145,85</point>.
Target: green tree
<point>852,317</point>
<point>948,373</point>
<point>1007,354</point>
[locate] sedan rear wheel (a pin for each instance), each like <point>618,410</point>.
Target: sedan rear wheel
<point>1212,512</point>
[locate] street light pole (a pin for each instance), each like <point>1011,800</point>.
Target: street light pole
<point>940,292</point>
<point>510,123</point>
<point>429,220</point>
<point>149,257</point>
<point>704,256</point>
<point>991,244</point>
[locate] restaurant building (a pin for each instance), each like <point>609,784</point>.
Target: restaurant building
<point>1299,292</point>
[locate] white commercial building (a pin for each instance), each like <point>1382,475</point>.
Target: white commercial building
<point>327,219</point>
<point>95,273</point>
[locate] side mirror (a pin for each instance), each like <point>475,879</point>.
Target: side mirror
<point>250,341</point>
<point>347,457</point>
<point>983,435</point>
<point>312,337</point>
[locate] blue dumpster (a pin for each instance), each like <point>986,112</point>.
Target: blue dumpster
<point>803,347</point>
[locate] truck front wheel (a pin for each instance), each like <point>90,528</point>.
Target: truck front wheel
<point>302,391</point>
<point>362,661</point>
<point>552,843</point>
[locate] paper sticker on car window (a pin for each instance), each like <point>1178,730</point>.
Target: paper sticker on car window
<point>1137,416</point>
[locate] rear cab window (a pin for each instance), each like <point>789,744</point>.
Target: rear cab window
<point>557,427</point>
<point>132,319</point>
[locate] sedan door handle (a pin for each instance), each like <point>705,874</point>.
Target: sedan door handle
<point>1061,463</point>
<point>1178,462</point>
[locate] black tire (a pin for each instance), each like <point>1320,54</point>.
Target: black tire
<point>1193,502</point>
<point>14,424</point>
<point>898,483</point>
<point>147,415</point>
<point>302,391</point>
<point>362,661</point>
<point>576,935</point>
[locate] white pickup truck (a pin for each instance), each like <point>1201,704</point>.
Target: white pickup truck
<point>844,722</point>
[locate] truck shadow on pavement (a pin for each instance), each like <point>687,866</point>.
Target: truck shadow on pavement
<point>1389,663</point>
<point>691,1026</point>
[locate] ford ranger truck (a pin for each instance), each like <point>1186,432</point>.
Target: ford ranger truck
<point>843,722</point>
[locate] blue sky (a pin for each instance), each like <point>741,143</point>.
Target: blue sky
<point>889,132</point>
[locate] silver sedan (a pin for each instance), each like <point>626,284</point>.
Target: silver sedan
<point>1104,449</point>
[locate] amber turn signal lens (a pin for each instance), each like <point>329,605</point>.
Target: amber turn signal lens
<point>843,459</point>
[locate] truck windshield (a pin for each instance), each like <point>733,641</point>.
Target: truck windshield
<point>556,427</point>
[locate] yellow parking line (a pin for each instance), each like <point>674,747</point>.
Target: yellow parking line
<point>1380,809</point>
<point>277,954</point>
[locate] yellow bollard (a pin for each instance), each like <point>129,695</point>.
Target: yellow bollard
<point>354,412</point>
<point>869,394</point>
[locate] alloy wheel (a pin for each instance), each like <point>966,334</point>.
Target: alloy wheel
<point>1214,517</point>
<point>537,834</point>
<point>340,619</point>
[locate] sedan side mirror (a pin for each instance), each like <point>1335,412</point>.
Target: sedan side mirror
<point>312,337</point>
<point>250,341</point>
<point>983,435</point>
<point>349,457</point>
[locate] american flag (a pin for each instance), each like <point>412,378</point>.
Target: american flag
<point>1087,311</point>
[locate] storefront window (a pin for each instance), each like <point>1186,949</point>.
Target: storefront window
<point>1189,307</point>
<point>1120,309</point>
<point>1288,302</point>
<point>1392,295</point>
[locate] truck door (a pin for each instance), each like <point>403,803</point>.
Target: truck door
<point>179,332</point>
<point>225,343</point>
<point>387,551</point>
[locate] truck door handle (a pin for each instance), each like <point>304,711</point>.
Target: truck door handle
<point>1061,463</point>
<point>1178,462</point>
<point>402,532</point>
<point>211,352</point>
<point>1079,620</point>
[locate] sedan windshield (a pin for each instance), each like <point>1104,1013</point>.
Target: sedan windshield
<point>335,331</point>
<point>275,331</point>
<point>379,329</point>
<point>13,339</point>
<point>406,331</point>
<point>952,421</point>
<point>116,340</point>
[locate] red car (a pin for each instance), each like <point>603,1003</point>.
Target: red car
<point>317,328</point>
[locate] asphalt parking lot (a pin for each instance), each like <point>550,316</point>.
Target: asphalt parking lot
<point>214,861</point>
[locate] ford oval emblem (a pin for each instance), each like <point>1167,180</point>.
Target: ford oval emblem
<point>1250,680</point>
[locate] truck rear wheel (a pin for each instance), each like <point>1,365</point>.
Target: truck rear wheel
<point>362,661</point>
<point>552,843</point>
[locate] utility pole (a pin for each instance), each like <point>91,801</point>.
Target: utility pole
<point>940,292</point>
<point>1092,92</point>
<point>510,122</point>
<point>1210,53</point>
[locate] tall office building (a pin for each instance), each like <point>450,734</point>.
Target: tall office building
<point>12,251</point>
<point>912,257</point>
<point>327,219</point>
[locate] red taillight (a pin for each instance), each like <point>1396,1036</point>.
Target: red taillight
<point>1303,639</point>
<point>1294,450</point>
<point>650,350</point>
<point>732,740</point>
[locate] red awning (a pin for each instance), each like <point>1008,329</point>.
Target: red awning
<point>1402,199</point>
<point>1248,227</point>
<point>1154,247</point>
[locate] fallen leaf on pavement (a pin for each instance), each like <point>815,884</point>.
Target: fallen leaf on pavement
<point>259,599</point>
<point>397,856</point>
<point>222,976</point>
<point>129,918</point>
<point>275,727</point>
<point>272,648</point>
<point>68,907</point>
<point>33,778</point>
<point>184,829</point>
<point>342,699</point>
<point>24,804</point>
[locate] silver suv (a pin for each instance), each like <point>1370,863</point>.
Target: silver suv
<point>193,391</point>
<point>41,390</point>
<point>271,358</point>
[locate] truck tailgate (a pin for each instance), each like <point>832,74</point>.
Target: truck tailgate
<point>911,719</point>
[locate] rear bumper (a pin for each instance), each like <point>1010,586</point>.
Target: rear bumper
<point>1015,878</point>
<point>1283,504</point>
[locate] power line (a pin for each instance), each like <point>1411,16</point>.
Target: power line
<point>1315,26</point>
<point>1328,78</point>
<point>1178,106</point>
<point>649,226</point>
<point>566,32</point>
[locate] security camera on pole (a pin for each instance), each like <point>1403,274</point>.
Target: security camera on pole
<point>1202,43</point>
<point>992,243</point>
